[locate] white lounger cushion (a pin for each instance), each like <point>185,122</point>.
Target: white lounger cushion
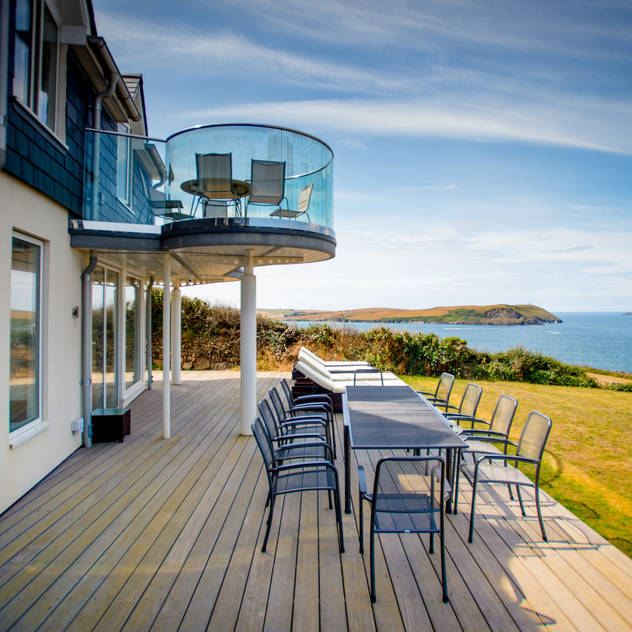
<point>310,356</point>
<point>338,382</point>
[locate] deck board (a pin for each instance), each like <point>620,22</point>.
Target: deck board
<point>164,535</point>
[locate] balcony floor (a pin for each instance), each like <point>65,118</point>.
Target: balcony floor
<point>165,535</point>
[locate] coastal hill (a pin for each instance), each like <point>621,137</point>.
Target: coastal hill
<point>461,314</point>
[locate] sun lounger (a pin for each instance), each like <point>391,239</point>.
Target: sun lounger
<point>318,379</point>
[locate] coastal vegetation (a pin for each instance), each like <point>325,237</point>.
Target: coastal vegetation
<point>210,340</point>
<point>463,314</point>
<point>588,461</point>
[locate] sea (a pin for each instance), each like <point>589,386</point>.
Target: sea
<point>602,340</point>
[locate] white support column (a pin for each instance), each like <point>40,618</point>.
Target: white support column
<point>166,351</point>
<point>248,349</point>
<point>176,333</point>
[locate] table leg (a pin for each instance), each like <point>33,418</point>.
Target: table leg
<point>347,459</point>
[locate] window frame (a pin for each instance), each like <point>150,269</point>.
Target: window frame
<point>39,420</point>
<point>34,80</point>
<point>124,132</point>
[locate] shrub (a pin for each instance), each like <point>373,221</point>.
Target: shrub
<point>210,337</point>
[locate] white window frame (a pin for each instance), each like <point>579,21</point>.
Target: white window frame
<point>34,79</point>
<point>31,428</point>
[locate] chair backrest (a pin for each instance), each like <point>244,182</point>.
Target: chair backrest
<point>269,418</point>
<point>267,182</point>
<point>277,404</point>
<point>287,390</point>
<point>215,173</point>
<point>264,444</point>
<point>503,414</point>
<point>304,198</point>
<point>470,400</point>
<point>398,481</point>
<point>534,434</point>
<point>444,386</point>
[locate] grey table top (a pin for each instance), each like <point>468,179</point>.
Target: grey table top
<point>391,417</point>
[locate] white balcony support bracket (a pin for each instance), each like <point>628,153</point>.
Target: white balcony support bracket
<point>166,351</point>
<point>176,333</point>
<point>248,350</point>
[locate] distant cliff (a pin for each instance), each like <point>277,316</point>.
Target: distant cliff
<point>463,314</point>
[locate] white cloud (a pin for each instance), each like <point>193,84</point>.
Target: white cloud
<point>549,124</point>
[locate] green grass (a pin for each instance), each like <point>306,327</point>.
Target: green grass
<point>588,461</point>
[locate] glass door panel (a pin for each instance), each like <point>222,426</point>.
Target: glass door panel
<point>110,332</point>
<point>98,281</point>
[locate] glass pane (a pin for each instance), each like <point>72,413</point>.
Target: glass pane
<point>122,166</point>
<point>97,338</point>
<point>23,48</point>
<point>25,318</point>
<point>132,331</point>
<point>48,79</point>
<point>111,399</point>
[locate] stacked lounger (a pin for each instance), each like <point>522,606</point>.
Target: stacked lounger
<point>314,375</point>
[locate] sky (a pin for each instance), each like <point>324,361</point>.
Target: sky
<point>483,149</point>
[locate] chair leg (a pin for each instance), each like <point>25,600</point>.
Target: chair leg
<point>361,522</point>
<point>431,544</point>
<point>339,519</point>
<point>372,563</point>
<point>537,506</point>
<point>265,539</point>
<point>444,579</point>
<point>329,496</point>
<point>520,501</point>
<point>470,537</point>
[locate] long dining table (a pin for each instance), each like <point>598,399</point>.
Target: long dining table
<point>393,418</point>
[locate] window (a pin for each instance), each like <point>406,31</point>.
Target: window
<point>104,338</point>
<point>25,332</point>
<point>36,59</point>
<point>132,331</point>
<point>123,164</point>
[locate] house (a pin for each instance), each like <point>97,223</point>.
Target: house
<point>94,212</point>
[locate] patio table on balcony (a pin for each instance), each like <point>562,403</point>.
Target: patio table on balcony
<point>193,187</point>
<point>390,418</point>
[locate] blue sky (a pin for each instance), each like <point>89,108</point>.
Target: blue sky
<point>483,150</point>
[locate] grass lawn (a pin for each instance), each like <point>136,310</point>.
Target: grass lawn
<point>588,461</point>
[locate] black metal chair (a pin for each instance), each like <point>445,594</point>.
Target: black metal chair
<point>402,503</point>
<point>497,468</point>
<point>291,430</point>
<point>441,395</point>
<point>321,411</point>
<point>287,478</point>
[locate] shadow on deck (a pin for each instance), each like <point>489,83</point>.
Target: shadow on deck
<point>166,535</point>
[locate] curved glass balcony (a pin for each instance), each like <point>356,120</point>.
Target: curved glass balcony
<point>138,180</point>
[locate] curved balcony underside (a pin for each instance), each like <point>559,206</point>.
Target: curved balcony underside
<point>204,250</point>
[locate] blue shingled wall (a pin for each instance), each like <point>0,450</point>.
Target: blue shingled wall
<point>42,162</point>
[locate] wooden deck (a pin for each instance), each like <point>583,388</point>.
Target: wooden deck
<point>165,535</point>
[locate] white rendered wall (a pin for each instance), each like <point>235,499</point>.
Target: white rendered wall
<point>27,211</point>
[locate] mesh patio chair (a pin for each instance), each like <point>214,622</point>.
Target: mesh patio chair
<point>294,412</point>
<point>304,428</point>
<point>287,478</point>
<point>267,182</point>
<point>215,180</point>
<point>483,439</point>
<point>303,206</point>
<point>299,446</point>
<point>469,403</point>
<point>441,395</point>
<point>401,503</point>
<point>497,468</point>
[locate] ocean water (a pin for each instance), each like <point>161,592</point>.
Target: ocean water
<point>601,340</point>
